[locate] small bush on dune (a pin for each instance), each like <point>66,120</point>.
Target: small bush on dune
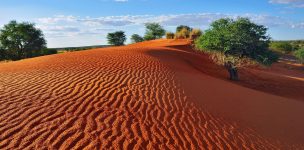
<point>300,55</point>
<point>135,38</point>
<point>170,35</point>
<point>183,34</point>
<point>195,33</point>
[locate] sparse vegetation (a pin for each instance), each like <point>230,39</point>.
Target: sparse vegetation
<point>170,35</point>
<point>154,31</point>
<point>195,33</point>
<point>21,40</point>
<point>135,38</point>
<point>300,55</point>
<point>117,38</point>
<point>236,40</point>
<point>183,34</point>
<point>282,47</point>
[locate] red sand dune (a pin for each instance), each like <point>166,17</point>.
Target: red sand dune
<point>151,95</point>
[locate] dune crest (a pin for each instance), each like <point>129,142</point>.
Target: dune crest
<point>141,96</point>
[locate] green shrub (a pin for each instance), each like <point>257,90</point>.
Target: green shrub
<point>117,38</point>
<point>154,31</point>
<point>300,55</point>
<point>170,35</point>
<point>238,39</point>
<point>284,47</point>
<point>21,40</point>
<point>135,38</point>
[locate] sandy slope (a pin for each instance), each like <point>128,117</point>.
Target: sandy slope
<point>157,95</point>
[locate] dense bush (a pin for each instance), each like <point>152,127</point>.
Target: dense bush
<point>195,33</point>
<point>300,55</point>
<point>21,40</point>
<point>183,34</point>
<point>170,35</point>
<point>117,38</point>
<point>237,39</point>
<point>154,31</point>
<point>284,47</point>
<point>135,38</point>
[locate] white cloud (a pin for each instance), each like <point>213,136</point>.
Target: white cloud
<point>292,3</point>
<point>79,27</point>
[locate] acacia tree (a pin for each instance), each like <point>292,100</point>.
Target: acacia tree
<point>21,40</point>
<point>135,38</point>
<point>236,41</point>
<point>181,27</point>
<point>154,31</point>
<point>117,38</point>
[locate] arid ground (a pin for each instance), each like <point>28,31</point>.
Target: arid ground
<point>152,95</point>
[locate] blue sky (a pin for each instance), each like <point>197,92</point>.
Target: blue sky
<point>87,22</point>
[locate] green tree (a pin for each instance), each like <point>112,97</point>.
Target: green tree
<point>237,40</point>
<point>135,38</point>
<point>117,38</point>
<point>154,31</point>
<point>181,27</point>
<point>21,40</point>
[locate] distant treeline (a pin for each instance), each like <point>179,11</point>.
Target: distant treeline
<point>286,47</point>
<point>72,49</point>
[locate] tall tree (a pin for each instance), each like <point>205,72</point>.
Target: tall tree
<point>21,40</point>
<point>237,40</point>
<point>154,31</point>
<point>117,38</point>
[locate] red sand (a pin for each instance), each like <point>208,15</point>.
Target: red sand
<point>151,95</point>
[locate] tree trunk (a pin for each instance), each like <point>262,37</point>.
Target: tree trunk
<point>233,73</point>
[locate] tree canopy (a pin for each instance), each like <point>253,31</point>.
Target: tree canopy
<point>135,38</point>
<point>21,40</point>
<point>181,27</point>
<point>117,38</point>
<point>154,31</point>
<point>239,38</point>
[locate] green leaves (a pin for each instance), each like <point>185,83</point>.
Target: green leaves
<point>154,31</point>
<point>238,38</point>
<point>117,38</point>
<point>21,40</point>
<point>135,38</point>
